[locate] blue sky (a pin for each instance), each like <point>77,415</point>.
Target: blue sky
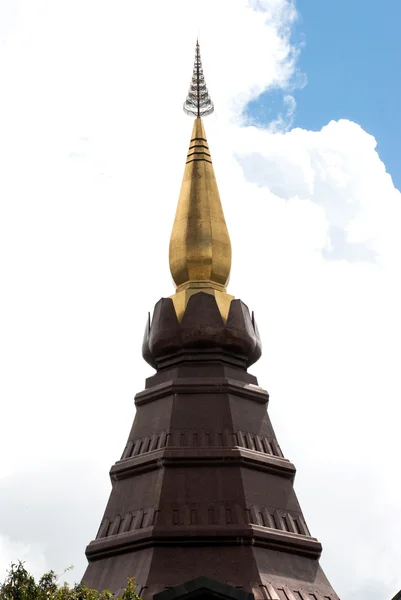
<point>352,60</point>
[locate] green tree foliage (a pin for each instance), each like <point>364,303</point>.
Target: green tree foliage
<point>21,585</point>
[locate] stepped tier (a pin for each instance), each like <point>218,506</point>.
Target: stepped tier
<point>202,488</point>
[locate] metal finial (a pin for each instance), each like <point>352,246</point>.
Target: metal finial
<point>198,102</point>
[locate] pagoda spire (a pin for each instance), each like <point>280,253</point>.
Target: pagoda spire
<point>202,503</point>
<point>200,247</point>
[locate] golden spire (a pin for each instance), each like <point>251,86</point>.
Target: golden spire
<point>200,248</point>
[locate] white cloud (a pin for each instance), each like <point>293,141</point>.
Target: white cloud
<point>31,554</point>
<point>92,152</point>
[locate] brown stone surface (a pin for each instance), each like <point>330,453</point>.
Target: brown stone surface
<point>201,331</point>
<point>202,588</point>
<point>202,487</point>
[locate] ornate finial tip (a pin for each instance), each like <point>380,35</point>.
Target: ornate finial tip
<point>198,103</point>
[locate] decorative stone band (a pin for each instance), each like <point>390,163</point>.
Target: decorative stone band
<point>201,438</point>
<point>202,385</point>
<point>267,591</point>
<point>201,332</point>
<point>182,457</point>
<point>178,535</point>
<point>204,515</point>
<point>283,592</point>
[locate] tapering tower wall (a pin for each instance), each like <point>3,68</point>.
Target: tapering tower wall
<point>203,488</point>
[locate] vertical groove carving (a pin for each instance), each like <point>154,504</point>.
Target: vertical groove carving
<point>138,444</point>
<point>272,592</point>
<point>153,442</point>
<point>202,438</point>
<point>162,440</point>
<point>115,526</point>
<point>268,518</point>
<point>288,593</point>
<point>203,514</point>
<point>267,446</point>
<point>103,528</point>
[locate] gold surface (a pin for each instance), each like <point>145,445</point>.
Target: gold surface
<point>200,247</point>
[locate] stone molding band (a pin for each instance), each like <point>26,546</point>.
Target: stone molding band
<point>228,535</point>
<point>200,385</point>
<point>184,457</point>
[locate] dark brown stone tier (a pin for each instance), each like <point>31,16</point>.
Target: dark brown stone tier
<point>202,489</point>
<point>201,332</point>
